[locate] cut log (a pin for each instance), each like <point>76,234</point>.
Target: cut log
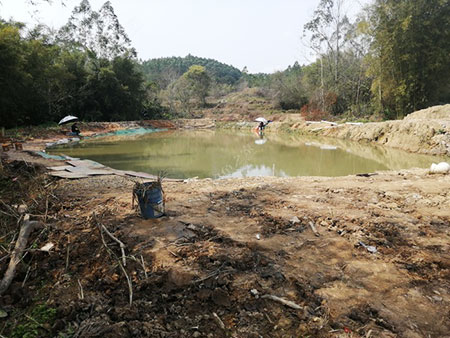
<point>21,243</point>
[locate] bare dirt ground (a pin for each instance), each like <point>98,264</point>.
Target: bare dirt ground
<point>211,266</point>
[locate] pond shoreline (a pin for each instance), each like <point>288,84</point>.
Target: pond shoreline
<point>367,255</point>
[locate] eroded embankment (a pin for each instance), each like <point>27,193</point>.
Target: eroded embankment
<point>426,131</point>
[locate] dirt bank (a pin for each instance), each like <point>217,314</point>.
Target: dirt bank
<point>426,131</point>
<point>212,264</point>
<point>350,256</point>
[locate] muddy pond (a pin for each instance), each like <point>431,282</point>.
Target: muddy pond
<point>225,154</point>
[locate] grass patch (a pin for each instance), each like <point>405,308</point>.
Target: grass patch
<point>36,324</point>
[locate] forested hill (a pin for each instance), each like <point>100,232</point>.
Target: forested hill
<point>164,71</point>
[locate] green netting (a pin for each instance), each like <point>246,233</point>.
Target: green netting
<point>125,132</point>
<point>53,157</point>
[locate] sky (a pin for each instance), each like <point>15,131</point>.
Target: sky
<point>263,35</point>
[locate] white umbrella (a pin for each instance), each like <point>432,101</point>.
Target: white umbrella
<point>67,119</point>
<point>261,119</point>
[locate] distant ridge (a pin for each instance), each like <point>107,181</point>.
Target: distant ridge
<point>164,70</point>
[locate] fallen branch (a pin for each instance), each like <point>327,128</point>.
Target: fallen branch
<point>67,253</point>
<point>26,276</point>
<point>112,254</point>
<point>143,267</point>
<point>130,286</point>
<point>122,246</point>
<point>283,301</point>
<point>46,210</point>
<point>81,295</point>
<point>13,212</point>
<point>21,243</point>
<point>219,321</point>
<point>142,263</point>
<point>313,228</point>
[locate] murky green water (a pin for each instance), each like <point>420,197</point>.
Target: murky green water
<point>220,154</point>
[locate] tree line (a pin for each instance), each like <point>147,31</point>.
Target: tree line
<point>392,59</point>
<point>86,69</point>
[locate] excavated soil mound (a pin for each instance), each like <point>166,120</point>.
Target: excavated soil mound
<point>432,113</point>
<point>426,131</point>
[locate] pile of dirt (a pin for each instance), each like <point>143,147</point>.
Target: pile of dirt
<point>432,113</point>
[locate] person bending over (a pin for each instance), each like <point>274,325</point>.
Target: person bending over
<point>75,129</point>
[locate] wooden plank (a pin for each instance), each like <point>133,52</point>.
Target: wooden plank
<point>60,168</point>
<point>139,174</point>
<point>66,174</point>
<point>90,171</point>
<point>86,163</point>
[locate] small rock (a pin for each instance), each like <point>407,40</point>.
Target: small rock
<point>196,334</point>
<point>437,298</point>
<point>254,292</point>
<point>192,227</point>
<point>258,237</point>
<point>47,247</point>
<point>294,220</point>
<point>21,209</point>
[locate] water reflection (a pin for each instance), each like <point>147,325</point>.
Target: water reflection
<point>252,171</point>
<point>261,140</point>
<point>221,154</point>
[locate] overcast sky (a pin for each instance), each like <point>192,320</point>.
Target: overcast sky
<point>264,35</point>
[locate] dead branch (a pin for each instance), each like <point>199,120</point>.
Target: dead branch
<point>46,209</point>
<point>67,253</point>
<point>81,295</point>
<point>143,267</point>
<point>112,254</point>
<point>219,321</point>
<point>283,301</point>
<point>21,243</point>
<point>130,286</point>
<point>13,212</point>
<point>122,246</point>
<point>142,263</point>
<point>26,276</point>
<point>313,228</point>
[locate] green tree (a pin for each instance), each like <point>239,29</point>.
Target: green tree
<point>288,87</point>
<point>410,54</point>
<point>100,32</point>
<point>164,71</point>
<point>179,96</point>
<point>328,30</point>
<point>199,82</point>
<point>12,75</point>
